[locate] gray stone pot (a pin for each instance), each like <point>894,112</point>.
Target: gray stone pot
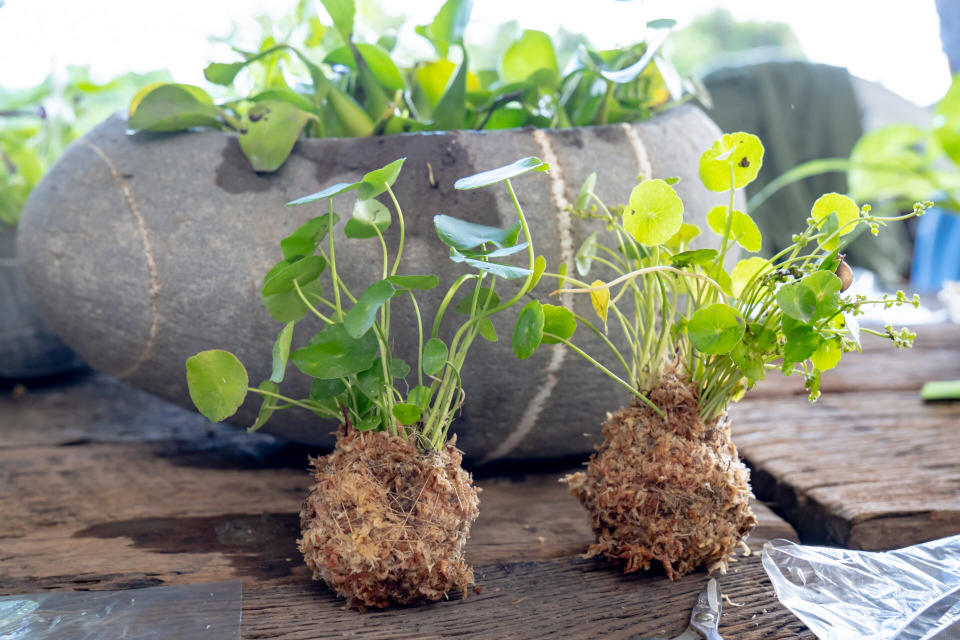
<point>28,350</point>
<point>143,250</point>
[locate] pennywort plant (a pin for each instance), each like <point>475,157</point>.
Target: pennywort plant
<point>680,306</point>
<point>356,377</point>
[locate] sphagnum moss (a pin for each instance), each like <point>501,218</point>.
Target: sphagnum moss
<point>666,484</point>
<point>390,510</point>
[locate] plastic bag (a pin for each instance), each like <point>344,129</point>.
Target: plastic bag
<point>907,594</point>
<point>210,611</point>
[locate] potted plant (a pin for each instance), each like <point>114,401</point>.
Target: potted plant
<point>143,249</point>
<point>666,484</point>
<point>390,511</point>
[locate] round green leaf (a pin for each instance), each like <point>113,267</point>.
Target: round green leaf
<point>683,236</point>
<point>694,256</point>
<point>172,107</point>
<point>406,413</point>
<point>847,213</point>
<point>744,272</point>
<point>434,356</point>
<point>528,331</point>
<point>743,230</point>
<point>715,329</point>
<point>305,239</point>
<point>218,383</point>
<point>368,216</point>
<point>559,322</point>
<point>333,353</point>
<point>816,296</point>
<point>363,314</point>
<point>827,355</point>
<point>533,52</point>
<point>742,151</point>
<point>655,213</point>
<point>326,389</point>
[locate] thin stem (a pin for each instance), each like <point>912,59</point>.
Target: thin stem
<point>416,310</point>
<point>641,272</point>
<point>310,307</point>
<point>333,264</point>
<point>396,262</point>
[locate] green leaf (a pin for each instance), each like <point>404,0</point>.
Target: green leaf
<point>486,299</point>
<point>655,213</point>
<point>329,192</point>
<point>827,355</point>
<point>532,56</point>
<point>368,217</point>
<point>715,329</point>
<point>285,95</point>
<point>333,353</point>
<point>559,322</point>
<point>451,110</point>
<point>363,314</point>
<point>448,25</point>
<point>490,253</point>
<point>600,299</point>
<point>846,211</point>
<point>420,396</point>
<point>350,115</point>
<point>463,235</point>
<point>744,271</point>
<point>281,352</point>
<point>487,330</point>
<point>305,239</point>
<point>421,283</point>
<point>406,413</point>
<point>539,266</point>
<point>270,129</point>
<point>802,340</point>
<point>172,107</point>
<point>217,382</point>
<point>370,423</point>
<point>378,61</point>
<point>743,230</point>
<point>583,259</point>
<point>342,12</point>
<point>493,176</point>
<point>528,331</point>
<point>432,79</point>
<point>750,364</point>
<point>947,112</point>
<point>815,296</point>
<point>434,356</point>
<point>695,256</point>
<point>502,270</point>
<point>278,293</point>
<point>377,181</point>
<point>585,190</point>
<point>326,389</point>
<point>225,73</point>
<point>683,236</point>
<point>741,151</point>
<point>267,405</point>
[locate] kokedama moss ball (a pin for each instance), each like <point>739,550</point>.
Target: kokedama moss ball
<point>386,523</point>
<point>669,490</point>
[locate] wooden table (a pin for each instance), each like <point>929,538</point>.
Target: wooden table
<point>106,487</point>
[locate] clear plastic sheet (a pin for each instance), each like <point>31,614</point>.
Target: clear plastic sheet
<point>208,611</point>
<point>907,594</point>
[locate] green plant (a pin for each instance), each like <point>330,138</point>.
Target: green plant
<point>352,88</point>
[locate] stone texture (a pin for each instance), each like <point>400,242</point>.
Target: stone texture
<point>142,250</point>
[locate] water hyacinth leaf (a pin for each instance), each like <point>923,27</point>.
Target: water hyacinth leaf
<point>218,383</point>
<point>270,129</point>
<point>267,405</point>
<point>420,396</point>
<point>693,257</point>
<point>352,118</point>
<point>532,55</point>
<point>463,235</point>
<point>715,329</point>
<point>486,329</point>
<point>493,176</point>
<point>815,296</point>
<point>743,230</point>
<point>434,356</point>
<point>329,192</point>
<point>485,297</point>
<point>745,271</point>
<point>583,197</point>
<point>378,61</point>
<point>558,322</point>
<point>583,259</point>
<point>741,151</point>
<point>281,353</point>
<point>172,107</point>
<point>600,300</point>
<point>305,239</point>
<point>285,95</point>
<point>406,413</point>
<point>683,236</point>
<point>655,213</point>
<point>333,353</point>
<point>377,181</point>
<point>326,389</point>
<point>827,355</point>
<point>421,283</point>
<point>846,211</point>
<point>528,332</point>
<point>342,12</point>
<point>363,314</point>
<point>369,216</point>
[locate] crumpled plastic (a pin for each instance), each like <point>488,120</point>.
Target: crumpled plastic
<point>908,594</point>
<point>208,610</point>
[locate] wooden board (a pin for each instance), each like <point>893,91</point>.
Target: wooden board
<point>120,491</point>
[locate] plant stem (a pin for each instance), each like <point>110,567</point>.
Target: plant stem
<point>309,306</point>
<point>396,205</point>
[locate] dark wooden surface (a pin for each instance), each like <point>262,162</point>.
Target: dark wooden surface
<point>105,487</point>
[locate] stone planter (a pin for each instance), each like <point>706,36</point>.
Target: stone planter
<point>28,350</point>
<point>143,250</point>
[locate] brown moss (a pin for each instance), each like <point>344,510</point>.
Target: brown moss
<point>386,523</point>
<point>670,490</point>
